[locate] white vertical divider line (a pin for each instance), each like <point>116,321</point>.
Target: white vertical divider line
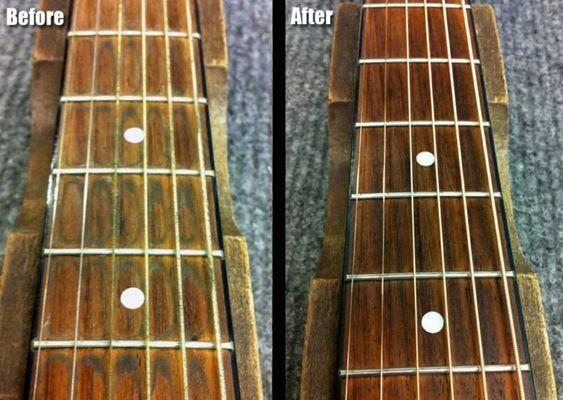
<point>57,178</point>
<point>85,200</point>
<point>494,209</point>
<point>177,244</point>
<point>439,201</point>
<point>115,189</point>
<point>146,197</point>
<point>465,209</point>
<point>208,239</point>
<point>411,171</point>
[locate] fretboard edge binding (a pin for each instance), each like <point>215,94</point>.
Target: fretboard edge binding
<point>431,370</point>
<point>427,275</point>
<point>109,32</point>
<point>128,344</point>
<point>128,252</point>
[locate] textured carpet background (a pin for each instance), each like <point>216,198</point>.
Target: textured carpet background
<point>531,38</point>
<point>250,81</point>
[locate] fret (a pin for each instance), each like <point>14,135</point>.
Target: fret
<point>128,171</point>
<point>426,236</point>
<point>130,252</point>
<point>379,124</point>
<point>417,60</point>
<point>149,99</point>
<point>414,5</point>
<point>427,275</point>
<point>172,34</point>
<point>408,195</point>
<point>129,344</point>
<point>458,369</point>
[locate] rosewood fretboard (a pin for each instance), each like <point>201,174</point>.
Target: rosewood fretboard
<point>430,299</point>
<point>133,211</point>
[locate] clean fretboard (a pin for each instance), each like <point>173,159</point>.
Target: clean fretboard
<point>133,302</point>
<point>430,298</point>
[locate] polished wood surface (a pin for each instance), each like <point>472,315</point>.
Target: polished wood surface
<point>382,315</point>
<point>159,210</point>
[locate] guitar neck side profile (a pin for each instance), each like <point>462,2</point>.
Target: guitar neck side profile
<point>418,293</point>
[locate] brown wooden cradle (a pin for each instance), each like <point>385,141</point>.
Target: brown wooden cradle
<point>321,347</point>
<point>21,268</point>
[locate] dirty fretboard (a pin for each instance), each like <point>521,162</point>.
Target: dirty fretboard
<point>133,302</point>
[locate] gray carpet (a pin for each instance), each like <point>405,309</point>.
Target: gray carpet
<point>249,39</point>
<point>531,39</point>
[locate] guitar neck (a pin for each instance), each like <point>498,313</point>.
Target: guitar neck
<point>134,299</point>
<point>430,300</point>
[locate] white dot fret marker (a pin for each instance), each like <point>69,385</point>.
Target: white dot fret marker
<point>425,158</point>
<point>432,322</point>
<point>132,298</point>
<point>134,135</point>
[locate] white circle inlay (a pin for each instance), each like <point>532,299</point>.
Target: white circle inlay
<point>132,298</point>
<point>134,135</point>
<point>432,322</point>
<point>425,158</point>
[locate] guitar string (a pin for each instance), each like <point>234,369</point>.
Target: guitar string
<point>85,201</point>
<point>439,201</point>
<point>57,179</point>
<point>178,258</point>
<point>207,218</point>
<point>383,202</point>
<point>413,233</point>
<point>146,197</point>
<point>465,207</point>
<point>499,246</point>
<point>115,191</point>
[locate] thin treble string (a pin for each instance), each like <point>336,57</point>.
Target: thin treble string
<point>465,208</point>
<point>383,201</point>
<point>438,199</point>
<point>85,200</point>
<point>115,190</point>
<point>146,197</point>
<point>207,218</point>
<point>493,206</point>
<point>409,106</point>
<point>175,200</point>
<point>60,147</point>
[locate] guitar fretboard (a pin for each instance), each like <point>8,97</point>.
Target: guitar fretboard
<point>430,300</point>
<point>133,302</point>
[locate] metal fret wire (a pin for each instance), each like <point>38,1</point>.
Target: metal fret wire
<point>115,190</point>
<point>57,178</point>
<point>439,202</point>
<point>351,297</point>
<point>145,196</point>
<point>494,210</point>
<point>429,275</point>
<point>415,293</point>
<point>208,240</point>
<point>175,203</point>
<point>85,200</point>
<point>465,208</point>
